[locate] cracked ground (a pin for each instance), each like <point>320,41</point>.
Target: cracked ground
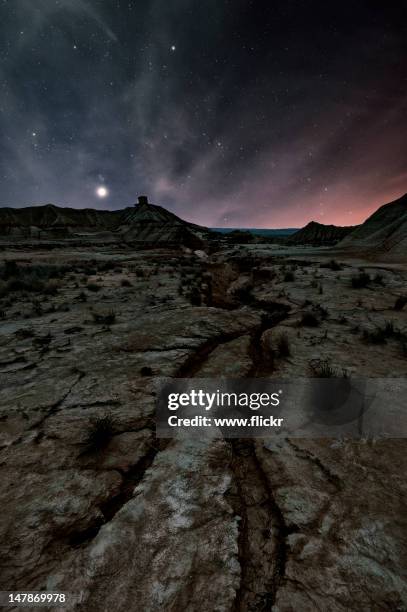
<point>186,524</point>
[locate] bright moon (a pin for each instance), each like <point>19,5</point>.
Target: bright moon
<point>102,192</point>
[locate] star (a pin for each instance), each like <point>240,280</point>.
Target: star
<point>173,48</point>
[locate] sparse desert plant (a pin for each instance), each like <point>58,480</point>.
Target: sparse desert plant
<point>321,368</point>
<point>390,330</point>
<point>100,431</point>
<point>358,281</point>
<point>322,312</point>
<point>378,279</point>
<point>24,332</point>
<point>326,370</point>
<point>89,271</point>
<point>10,269</point>
<point>289,277</point>
<point>106,266</point>
<point>283,345</point>
<point>104,319</point>
<point>195,297</point>
<point>125,283</point>
<point>376,336</point>
<point>146,371</point>
<point>308,319</point>
<point>30,278</point>
<point>381,334</point>
<point>51,288</point>
<point>37,308</point>
<point>244,293</point>
<point>93,287</point>
<point>400,302</point>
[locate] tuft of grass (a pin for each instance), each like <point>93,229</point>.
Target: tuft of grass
<point>289,277</point>
<point>24,332</point>
<point>378,279</point>
<point>283,345</point>
<point>381,334</point>
<point>125,283</point>
<point>195,297</point>
<point>374,337</point>
<point>94,287</point>
<point>358,281</point>
<point>325,370</point>
<point>321,368</point>
<point>31,278</point>
<point>146,371</point>
<point>100,431</point>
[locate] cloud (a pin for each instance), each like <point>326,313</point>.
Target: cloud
<point>32,15</point>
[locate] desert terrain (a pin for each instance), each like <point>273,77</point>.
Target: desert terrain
<point>95,505</point>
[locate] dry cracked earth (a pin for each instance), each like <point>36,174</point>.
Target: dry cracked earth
<point>143,524</point>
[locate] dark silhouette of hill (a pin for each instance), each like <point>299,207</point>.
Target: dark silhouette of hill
<point>144,224</point>
<point>384,232</point>
<point>50,216</point>
<point>317,234</point>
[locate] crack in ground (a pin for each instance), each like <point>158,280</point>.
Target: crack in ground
<point>54,407</point>
<point>194,362</point>
<point>262,531</point>
<point>306,454</point>
<point>109,508</point>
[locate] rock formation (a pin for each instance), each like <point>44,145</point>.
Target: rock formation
<point>317,234</point>
<point>143,225</point>
<point>384,232</point>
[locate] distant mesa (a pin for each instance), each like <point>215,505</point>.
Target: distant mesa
<point>150,225</point>
<point>382,236</point>
<point>318,234</point>
<point>144,225</point>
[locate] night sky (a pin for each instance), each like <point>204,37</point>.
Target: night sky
<point>231,113</point>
